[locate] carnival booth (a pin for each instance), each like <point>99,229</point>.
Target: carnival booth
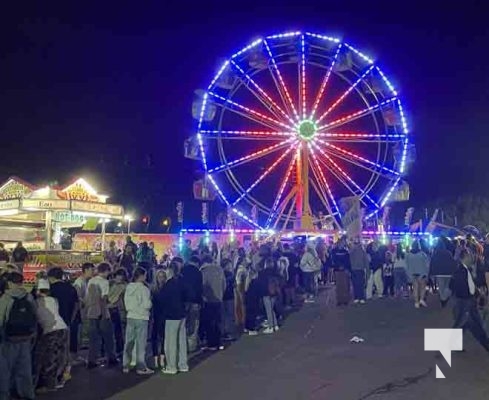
<point>37,216</point>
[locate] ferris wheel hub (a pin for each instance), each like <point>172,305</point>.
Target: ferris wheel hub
<point>306,129</point>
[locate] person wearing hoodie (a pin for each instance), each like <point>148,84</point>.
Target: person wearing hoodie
<point>214,285</point>
<point>16,335</point>
<point>170,299</point>
<point>359,267</point>
<point>417,263</point>
<point>310,266</point>
<point>115,304</point>
<point>340,260</point>
<point>377,259</point>
<point>137,300</point>
<point>442,267</point>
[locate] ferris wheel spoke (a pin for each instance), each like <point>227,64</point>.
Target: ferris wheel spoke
<point>349,155</point>
<point>253,156</point>
<point>263,176</point>
<point>252,135</point>
<point>282,87</point>
<point>336,169</point>
<point>249,113</point>
<point>323,180</point>
<point>325,82</point>
<point>285,180</point>
<point>346,93</point>
<point>263,96</point>
<point>356,115</point>
<point>302,77</point>
<point>360,137</point>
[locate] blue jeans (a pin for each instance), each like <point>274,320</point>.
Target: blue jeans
<point>136,335</point>
<point>176,345</point>
<point>16,369</point>
<point>358,280</point>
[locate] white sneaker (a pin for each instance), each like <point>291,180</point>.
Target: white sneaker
<point>167,371</point>
<point>362,301</point>
<point>252,333</point>
<point>268,331</point>
<point>423,303</point>
<point>416,305</point>
<point>276,328</point>
<point>186,369</point>
<point>356,301</point>
<point>145,371</point>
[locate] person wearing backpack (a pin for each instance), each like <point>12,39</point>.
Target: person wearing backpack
<point>18,326</point>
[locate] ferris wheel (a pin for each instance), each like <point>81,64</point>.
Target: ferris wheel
<point>292,123</point>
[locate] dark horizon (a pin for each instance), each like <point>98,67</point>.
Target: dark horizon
<point>106,91</point>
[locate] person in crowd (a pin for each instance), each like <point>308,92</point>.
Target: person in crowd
<point>240,289</point>
<point>293,272</point>
<point>269,284</point>
<point>69,306</point>
<point>388,274</point>
<point>20,256</point>
<point>340,260</point>
<point>52,350</point>
<point>252,302</point>
<point>442,267</point>
<point>4,256</point>
<point>400,272</point>
<point>186,251</point>
<point>80,285</point>
<point>171,299</point>
<point>214,285</point>
<point>18,326</point>
<point>127,260</point>
<point>154,256</point>
<point>137,300</point>
<point>228,320</point>
<point>310,266</point>
<point>111,255</point>
<point>117,311</point>
<point>322,252</point>
<point>131,245</point>
<point>463,288</point>
<point>100,325</point>
<point>377,259</point>
<point>191,278</point>
<point>214,251</point>
<point>158,331</point>
<point>287,291</point>
<point>417,264</point>
<point>144,258</point>
<point>359,262</point>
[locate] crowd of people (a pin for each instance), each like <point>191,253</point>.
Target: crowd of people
<point>138,312</point>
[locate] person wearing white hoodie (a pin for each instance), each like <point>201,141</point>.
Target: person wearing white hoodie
<point>311,267</point>
<point>137,300</point>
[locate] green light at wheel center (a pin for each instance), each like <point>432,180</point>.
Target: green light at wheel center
<point>307,129</point>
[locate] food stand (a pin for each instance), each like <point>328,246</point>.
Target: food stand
<point>37,215</point>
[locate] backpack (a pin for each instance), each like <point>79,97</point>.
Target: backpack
<point>22,320</point>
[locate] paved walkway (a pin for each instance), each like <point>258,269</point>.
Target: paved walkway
<point>312,358</point>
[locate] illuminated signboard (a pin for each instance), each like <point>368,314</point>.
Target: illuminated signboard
<point>97,208</point>
<point>14,190</point>
<point>80,190</point>
<point>46,204</point>
<point>68,217</point>
<point>9,204</point>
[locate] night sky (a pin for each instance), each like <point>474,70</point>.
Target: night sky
<point>104,90</point>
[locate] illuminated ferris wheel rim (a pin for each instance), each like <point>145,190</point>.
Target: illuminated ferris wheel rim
<point>301,125</point>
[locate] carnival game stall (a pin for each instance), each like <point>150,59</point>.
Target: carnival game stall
<point>37,216</point>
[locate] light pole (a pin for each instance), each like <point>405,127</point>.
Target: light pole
<point>128,218</point>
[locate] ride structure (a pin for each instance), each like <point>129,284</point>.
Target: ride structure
<point>292,123</point>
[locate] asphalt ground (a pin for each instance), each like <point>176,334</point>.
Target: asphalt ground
<point>311,357</point>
